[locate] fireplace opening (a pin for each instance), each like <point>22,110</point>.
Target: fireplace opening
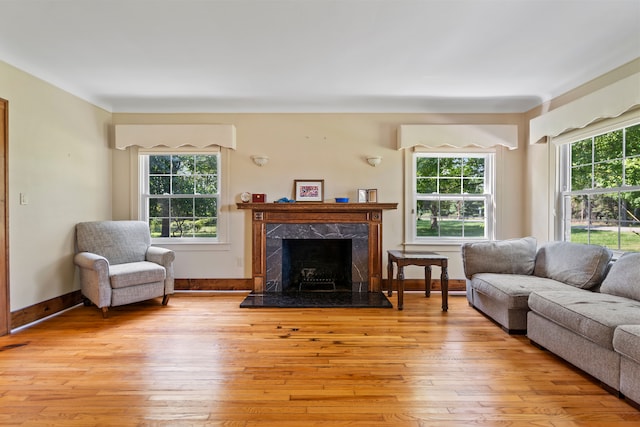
<point>316,265</point>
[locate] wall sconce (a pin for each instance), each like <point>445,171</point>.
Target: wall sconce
<point>374,160</point>
<point>260,159</point>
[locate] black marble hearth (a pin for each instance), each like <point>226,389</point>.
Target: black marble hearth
<point>316,300</point>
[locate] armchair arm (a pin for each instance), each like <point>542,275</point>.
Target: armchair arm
<point>94,277</point>
<point>91,261</point>
<point>165,258</point>
<point>162,256</point>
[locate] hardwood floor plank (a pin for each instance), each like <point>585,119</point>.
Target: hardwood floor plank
<point>203,361</point>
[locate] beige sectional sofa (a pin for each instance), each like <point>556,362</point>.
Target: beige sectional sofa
<point>568,298</point>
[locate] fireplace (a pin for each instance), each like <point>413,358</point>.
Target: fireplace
<point>281,231</point>
<point>326,256</point>
<point>316,265</point>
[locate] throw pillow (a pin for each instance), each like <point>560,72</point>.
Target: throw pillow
<point>576,264</point>
<point>513,256</point>
<point>623,279</point>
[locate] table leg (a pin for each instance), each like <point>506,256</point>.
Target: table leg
<point>444,280</point>
<point>427,281</point>
<point>400,282</point>
<point>390,276</point>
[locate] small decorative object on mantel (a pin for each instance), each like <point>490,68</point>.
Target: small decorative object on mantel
<point>259,198</point>
<point>342,200</point>
<point>368,195</point>
<point>245,197</point>
<point>284,200</point>
<point>308,190</point>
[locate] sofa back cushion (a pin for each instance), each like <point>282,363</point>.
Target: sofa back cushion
<point>118,241</point>
<point>576,264</point>
<point>623,278</point>
<point>513,256</point>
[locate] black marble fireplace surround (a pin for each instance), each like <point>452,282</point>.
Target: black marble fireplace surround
<point>282,276</point>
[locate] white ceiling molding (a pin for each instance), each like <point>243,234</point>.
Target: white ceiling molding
<point>610,101</point>
<point>457,136</point>
<point>174,136</point>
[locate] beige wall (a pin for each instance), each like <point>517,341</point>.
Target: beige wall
<point>59,158</point>
<point>332,147</point>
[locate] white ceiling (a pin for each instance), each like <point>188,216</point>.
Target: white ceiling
<point>318,55</point>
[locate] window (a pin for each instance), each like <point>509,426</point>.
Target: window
<point>453,196</point>
<point>180,195</point>
<point>600,185</point>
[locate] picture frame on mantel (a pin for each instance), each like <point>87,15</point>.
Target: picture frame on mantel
<point>308,190</point>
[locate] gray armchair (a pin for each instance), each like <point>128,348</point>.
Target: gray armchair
<point>119,266</point>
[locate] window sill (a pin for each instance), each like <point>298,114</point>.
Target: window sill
<point>185,246</point>
<point>456,243</point>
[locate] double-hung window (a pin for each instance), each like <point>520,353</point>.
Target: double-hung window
<point>452,197</point>
<point>180,195</point>
<point>600,189</point>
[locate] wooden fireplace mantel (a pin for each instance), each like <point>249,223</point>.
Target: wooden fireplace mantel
<point>317,207</point>
<point>309,213</point>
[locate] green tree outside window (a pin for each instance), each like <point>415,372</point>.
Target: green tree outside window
<point>182,197</point>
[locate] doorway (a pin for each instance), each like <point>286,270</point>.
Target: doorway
<point>5,308</point>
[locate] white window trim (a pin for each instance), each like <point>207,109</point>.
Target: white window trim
<point>563,147</point>
<point>410,238</point>
<point>137,210</point>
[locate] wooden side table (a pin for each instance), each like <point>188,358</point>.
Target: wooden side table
<point>425,259</point>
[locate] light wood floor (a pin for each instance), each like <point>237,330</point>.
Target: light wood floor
<point>204,361</point>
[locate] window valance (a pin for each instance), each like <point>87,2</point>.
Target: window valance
<point>457,136</point>
<point>174,136</point>
<point>610,101</point>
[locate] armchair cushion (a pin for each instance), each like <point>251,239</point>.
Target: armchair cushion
<point>135,273</point>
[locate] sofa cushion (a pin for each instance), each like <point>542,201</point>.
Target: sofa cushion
<point>514,256</point>
<point>512,290</point>
<point>592,315</point>
<point>576,264</point>
<point>135,273</point>
<point>623,278</point>
<point>626,341</point>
